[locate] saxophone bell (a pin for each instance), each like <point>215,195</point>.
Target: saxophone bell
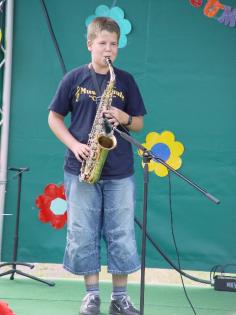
<point>107,142</point>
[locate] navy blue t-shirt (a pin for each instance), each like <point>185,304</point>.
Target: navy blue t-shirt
<point>77,94</point>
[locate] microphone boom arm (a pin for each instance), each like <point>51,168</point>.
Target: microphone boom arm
<point>159,160</point>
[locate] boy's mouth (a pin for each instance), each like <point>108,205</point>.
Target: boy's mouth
<point>104,59</point>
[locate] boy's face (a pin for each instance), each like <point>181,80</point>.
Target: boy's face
<point>104,45</point>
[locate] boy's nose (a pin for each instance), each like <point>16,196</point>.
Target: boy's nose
<point>108,47</point>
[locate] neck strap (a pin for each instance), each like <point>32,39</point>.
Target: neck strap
<point>99,89</point>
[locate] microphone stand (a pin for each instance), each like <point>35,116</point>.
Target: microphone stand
<point>14,263</point>
<point>147,157</point>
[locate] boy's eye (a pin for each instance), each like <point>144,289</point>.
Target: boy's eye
<point>112,44</point>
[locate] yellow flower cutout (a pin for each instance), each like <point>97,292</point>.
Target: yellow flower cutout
<point>163,146</point>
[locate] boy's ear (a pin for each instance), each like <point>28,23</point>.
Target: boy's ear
<point>89,45</point>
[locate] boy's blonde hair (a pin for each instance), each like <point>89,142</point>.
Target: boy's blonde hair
<point>102,24</point>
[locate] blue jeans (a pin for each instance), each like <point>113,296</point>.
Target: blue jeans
<point>104,209</point>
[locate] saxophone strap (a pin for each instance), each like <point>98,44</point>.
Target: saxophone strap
<point>99,89</point>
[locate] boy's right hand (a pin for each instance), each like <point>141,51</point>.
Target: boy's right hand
<point>81,151</point>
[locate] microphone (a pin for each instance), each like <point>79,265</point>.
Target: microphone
<point>107,126</point>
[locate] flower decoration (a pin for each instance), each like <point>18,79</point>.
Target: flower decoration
<point>116,14</point>
<point>52,205</point>
<point>4,309</point>
<point>163,146</point>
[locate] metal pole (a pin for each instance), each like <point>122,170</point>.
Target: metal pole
<point>6,100</point>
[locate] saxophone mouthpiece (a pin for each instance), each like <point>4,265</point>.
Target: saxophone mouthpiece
<point>108,60</point>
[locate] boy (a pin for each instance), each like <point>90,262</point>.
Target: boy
<point>106,208</point>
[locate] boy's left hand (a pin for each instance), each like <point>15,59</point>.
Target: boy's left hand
<point>116,116</point>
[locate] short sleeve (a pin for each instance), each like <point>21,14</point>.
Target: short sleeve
<point>135,104</point>
<point>61,102</point>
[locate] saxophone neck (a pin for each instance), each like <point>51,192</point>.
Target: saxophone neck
<point>111,70</point>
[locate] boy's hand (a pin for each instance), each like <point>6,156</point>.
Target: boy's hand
<point>81,151</point>
<point>116,116</point>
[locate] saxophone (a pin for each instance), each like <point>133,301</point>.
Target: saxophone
<point>99,141</point>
